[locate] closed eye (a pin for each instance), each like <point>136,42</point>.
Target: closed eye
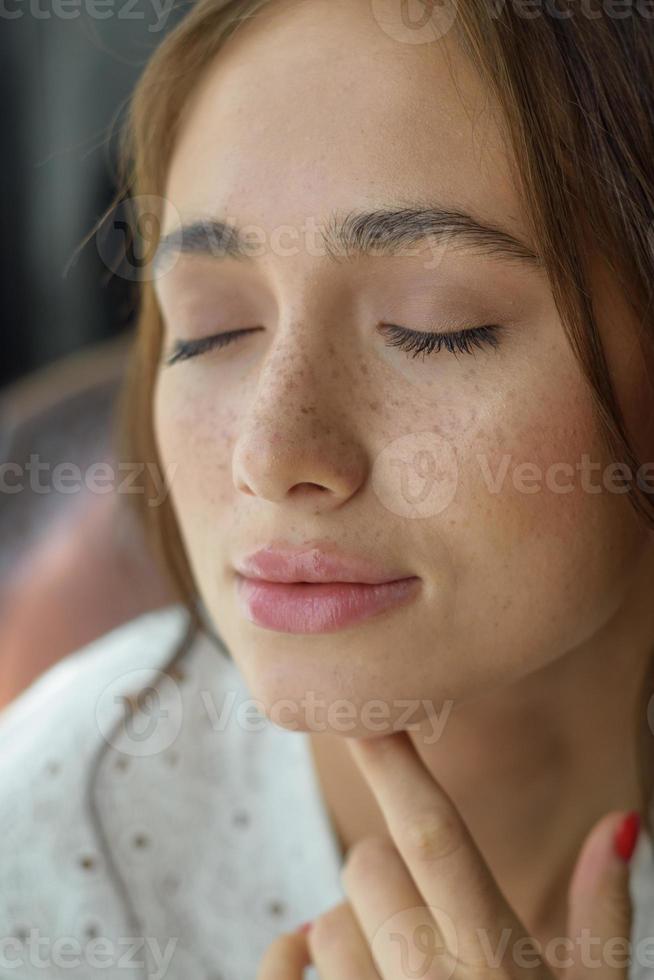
<point>184,349</point>
<point>412,342</point>
<point>456,342</point>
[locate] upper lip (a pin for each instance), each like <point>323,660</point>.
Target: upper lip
<point>314,562</point>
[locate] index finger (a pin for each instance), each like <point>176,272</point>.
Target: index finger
<point>436,845</point>
<point>285,958</point>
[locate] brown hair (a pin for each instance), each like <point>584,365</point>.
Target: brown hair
<point>577,94</point>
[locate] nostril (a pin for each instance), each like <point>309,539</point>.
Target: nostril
<point>300,488</point>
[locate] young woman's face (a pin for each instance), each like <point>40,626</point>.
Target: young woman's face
<point>478,470</point>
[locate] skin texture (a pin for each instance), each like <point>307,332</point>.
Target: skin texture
<point>421,901</point>
<point>534,621</point>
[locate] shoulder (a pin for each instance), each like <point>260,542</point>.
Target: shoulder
<point>63,710</point>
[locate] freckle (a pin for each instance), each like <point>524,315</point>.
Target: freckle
<point>374,406</point>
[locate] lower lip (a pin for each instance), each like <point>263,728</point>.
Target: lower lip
<point>314,607</point>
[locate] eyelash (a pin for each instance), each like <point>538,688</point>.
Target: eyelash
<point>184,349</point>
<point>410,341</point>
<point>456,342</point>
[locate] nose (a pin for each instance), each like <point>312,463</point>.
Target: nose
<point>299,439</point>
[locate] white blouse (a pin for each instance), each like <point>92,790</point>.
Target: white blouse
<point>211,838</point>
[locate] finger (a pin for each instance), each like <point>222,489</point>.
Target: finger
<point>285,958</point>
<point>440,854</point>
<point>402,934</point>
<point>599,900</point>
<point>338,947</point>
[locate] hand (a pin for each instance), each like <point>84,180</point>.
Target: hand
<point>424,904</point>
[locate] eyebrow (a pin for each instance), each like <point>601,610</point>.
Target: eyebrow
<point>383,231</point>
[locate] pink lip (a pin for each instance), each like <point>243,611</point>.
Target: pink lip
<point>311,590</point>
<point>317,562</point>
<point>313,607</point>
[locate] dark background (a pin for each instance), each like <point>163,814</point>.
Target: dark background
<point>73,564</point>
<point>65,81</point>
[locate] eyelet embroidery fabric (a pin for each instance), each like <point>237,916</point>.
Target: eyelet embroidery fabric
<point>210,812</point>
<point>213,817</point>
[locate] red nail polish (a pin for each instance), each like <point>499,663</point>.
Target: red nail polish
<point>304,927</point>
<point>626,836</point>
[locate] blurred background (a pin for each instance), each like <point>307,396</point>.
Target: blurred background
<point>72,565</point>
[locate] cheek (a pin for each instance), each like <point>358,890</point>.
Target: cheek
<point>527,470</point>
<point>529,535</point>
<point>195,435</point>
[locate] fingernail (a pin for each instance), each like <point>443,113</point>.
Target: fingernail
<point>626,836</point>
<point>304,927</point>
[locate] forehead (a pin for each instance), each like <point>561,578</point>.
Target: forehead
<point>312,106</point>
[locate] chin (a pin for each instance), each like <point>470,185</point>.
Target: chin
<point>314,719</point>
<point>338,701</point>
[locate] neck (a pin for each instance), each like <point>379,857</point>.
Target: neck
<point>530,767</point>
